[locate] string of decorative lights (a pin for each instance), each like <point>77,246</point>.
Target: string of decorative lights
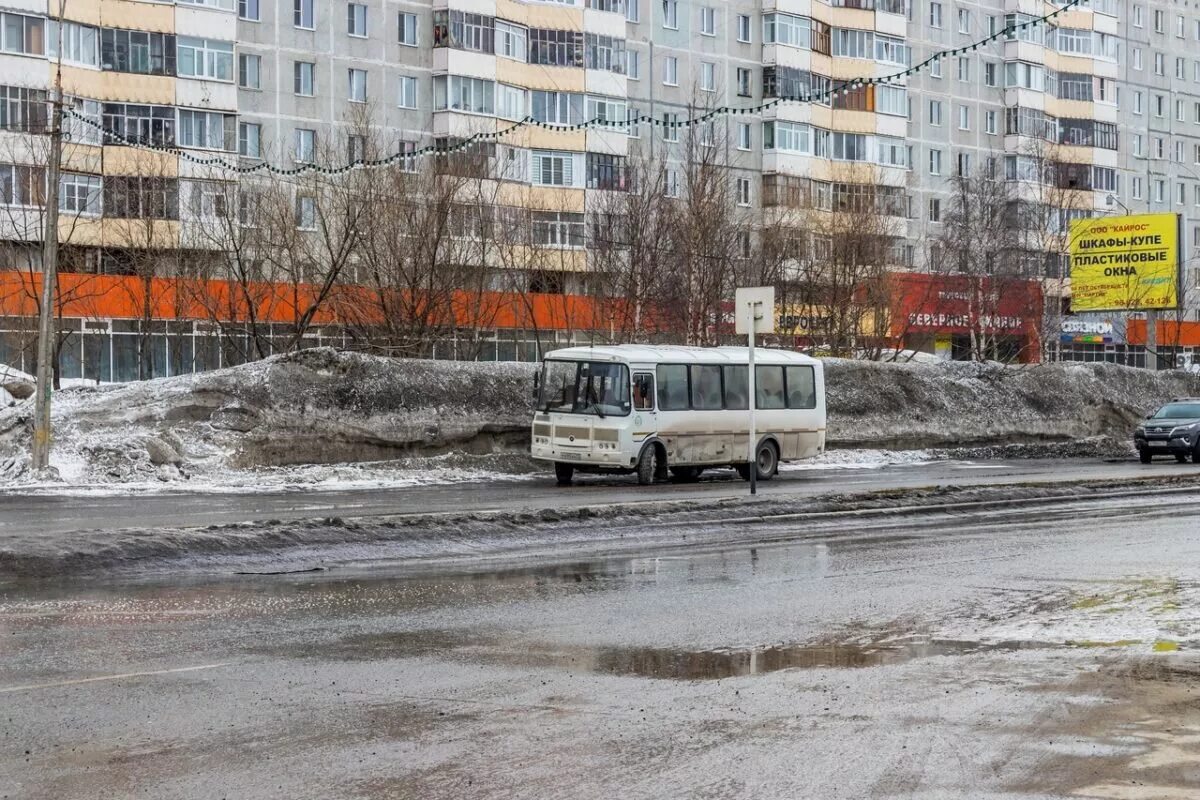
<point>448,149</point>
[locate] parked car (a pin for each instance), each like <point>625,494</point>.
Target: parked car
<point>1172,430</point>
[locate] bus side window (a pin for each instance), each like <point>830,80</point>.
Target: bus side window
<point>672,387</point>
<point>801,388</point>
<point>643,391</point>
<point>736,390</point>
<point>768,387</point>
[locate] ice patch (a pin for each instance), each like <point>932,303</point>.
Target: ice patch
<point>862,459</point>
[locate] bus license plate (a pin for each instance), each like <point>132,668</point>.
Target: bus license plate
<point>575,456</point>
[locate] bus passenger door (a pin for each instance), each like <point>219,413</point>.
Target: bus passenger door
<point>645,415</point>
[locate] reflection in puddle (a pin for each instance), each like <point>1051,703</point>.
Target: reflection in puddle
<point>666,663</point>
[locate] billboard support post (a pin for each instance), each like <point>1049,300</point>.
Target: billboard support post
<point>1152,340</point>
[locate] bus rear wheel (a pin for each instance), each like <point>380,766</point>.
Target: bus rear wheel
<point>767,463</point>
<point>563,473</point>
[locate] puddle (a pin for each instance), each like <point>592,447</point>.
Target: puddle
<point>660,663</point>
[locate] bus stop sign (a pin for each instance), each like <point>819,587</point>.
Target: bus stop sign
<point>763,300</point>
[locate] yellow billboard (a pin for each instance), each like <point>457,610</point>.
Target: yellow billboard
<point>1125,263</point>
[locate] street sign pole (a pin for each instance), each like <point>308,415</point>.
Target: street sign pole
<point>752,313</point>
<point>758,305</point>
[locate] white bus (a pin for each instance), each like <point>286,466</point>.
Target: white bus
<point>650,410</point>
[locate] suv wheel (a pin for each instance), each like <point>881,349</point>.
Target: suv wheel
<point>1144,455</point>
<point>1181,458</point>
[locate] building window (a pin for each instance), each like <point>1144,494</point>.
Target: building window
<point>1137,17</point>
<point>302,14</point>
<point>305,145</point>
<point>205,58</point>
<point>408,92</point>
<point>357,92</point>
<point>935,69</point>
<point>670,126</point>
<point>632,11</point>
<point>670,14</point>
<point>989,122</point>
<point>743,23</point>
<point>671,71</point>
<point>935,15</point>
<point>935,162</point>
<point>964,118</point>
<point>459,93</point>
<point>249,10</point>
<point>605,53</point>
<point>137,52</point>
<point>80,194</point>
<point>1158,21</point>
<point>605,171</point>
<point>210,130</point>
<point>964,70</point>
<point>708,21</point>
<point>743,82</point>
<point>708,76</point>
<point>551,168</point>
<point>935,210</point>
<point>22,34</point>
<point>23,110</point>
<point>80,44</point>
<point>356,19</point>
<point>558,108</point>
<point>141,123</point>
<point>306,213</point>
<point>555,48</point>
<point>22,185</point>
<point>964,20</point>
<point>512,41</point>
<point>989,73</point>
<point>356,148</point>
<point>249,71</point>
<point>141,197</point>
<point>743,191</point>
<point>305,74</point>
<point>964,165</point>
<point>633,65</point>
<point>744,136</point>
<point>671,183</point>
<point>935,112</point>
<point>558,229</point>
<point>407,27</point>
<point>250,139</point>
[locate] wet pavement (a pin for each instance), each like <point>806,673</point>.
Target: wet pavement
<point>995,655</point>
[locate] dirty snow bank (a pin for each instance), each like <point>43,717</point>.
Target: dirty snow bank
<point>320,417</point>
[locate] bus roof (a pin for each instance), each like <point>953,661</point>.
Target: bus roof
<point>675,354</point>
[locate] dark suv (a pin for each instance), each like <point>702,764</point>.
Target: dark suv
<point>1172,430</point>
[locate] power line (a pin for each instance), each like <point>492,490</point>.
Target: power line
<point>444,150</point>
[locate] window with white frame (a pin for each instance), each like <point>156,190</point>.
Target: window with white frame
<point>406,26</point>
<point>891,151</point>
<point>22,185</point>
<point>204,58</point>
<point>460,93</point>
<point>551,168</point>
<point>510,101</point>
<point>22,34</point>
<point>671,183</point>
<point>224,5</point>
<point>305,149</point>
<point>964,118</point>
<point>558,108</point>
<point>210,130</point>
<point>305,78</point>
<point>407,91</point>
<point>708,76</point>
<point>853,43</point>
<point>935,162</point>
<point>788,29</point>
<point>606,112</point>
<point>207,199</point>
<point>935,112</point>
<point>935,68</point>
<point>306,212</point>
<point>80,194</point>
<point>558,229</point>
<point>633,12</point>
<point>250,139</point>
<point>1158,20</point>
<point>302,14</point>
<point>964,20</point>
<point>633,65</point>
<point>605,53</point>
<point>935,15</point>
<point>744,136</point>
<point>357,85</point>
<point>743,191</point>
<point>249,71</point>
<point>671,71</point>
<point>989,122</point>
<point>743,28</point>
<point>670,14</point>
<point>1138,21</point>
<point>249,10</point>
<point>708,21</point>
<point>964,69</point>
<point>511,41</point>
<point>743,82</point>
<point>1136,188</point>
<point>80,43</point>
<point>670,126</point>
<point>891,50</point>
<point>356,19</point>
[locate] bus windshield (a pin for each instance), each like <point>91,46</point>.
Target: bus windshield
<point>585,387</point>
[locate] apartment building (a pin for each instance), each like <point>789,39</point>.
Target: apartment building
<point>1107,91</point>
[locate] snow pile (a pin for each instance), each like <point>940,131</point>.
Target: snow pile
<point>955,404</point>
<point>254,422</point>
<point>320,417</point>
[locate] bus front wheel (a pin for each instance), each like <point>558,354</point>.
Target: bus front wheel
<point>563,473</point>
<point>651,466</point>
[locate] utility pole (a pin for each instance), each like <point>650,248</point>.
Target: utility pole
<point>45,351</point>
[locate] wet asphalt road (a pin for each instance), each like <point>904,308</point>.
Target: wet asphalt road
<point>33,514</point>
<point>1039,655</point>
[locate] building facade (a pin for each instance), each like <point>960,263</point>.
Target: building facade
<point>1092,112</point>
